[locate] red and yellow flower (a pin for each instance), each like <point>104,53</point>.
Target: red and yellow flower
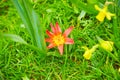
<point>56,38</point>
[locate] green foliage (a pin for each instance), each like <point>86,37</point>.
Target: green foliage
<point>14,38</point>
<point>84,6</point>
<point>32,23</point>
<point>20,62</point>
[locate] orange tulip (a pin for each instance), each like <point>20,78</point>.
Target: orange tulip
<point>56,38</point>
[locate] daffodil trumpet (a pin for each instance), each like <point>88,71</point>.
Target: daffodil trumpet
<point>103,12</point>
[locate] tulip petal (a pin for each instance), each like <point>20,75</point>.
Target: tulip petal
<point>67,32</point>
<point>58,30</point>
<point>52,27</point>
<point>51,45</point>
<point>69,41</point>
<point>60,48</point>
<point>48,39</point>
<point>50,34</point>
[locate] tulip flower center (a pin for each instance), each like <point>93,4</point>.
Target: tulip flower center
<point>58,39</point>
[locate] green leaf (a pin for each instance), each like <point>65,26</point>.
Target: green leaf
<point>82,14</point>
<point>19,39</point>
<point>32,23</point>
<point>14,38</point>
<point>92,1</point>
<point>118,3</point>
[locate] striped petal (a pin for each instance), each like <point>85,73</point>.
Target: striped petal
<point>58,30</point>
<point>60,48</point>
<point>69,41</point>
<point>67,32</point>
<point>51,45</point>
<point>48,39</point>
<point>50,34</point>
<point>52,27</point>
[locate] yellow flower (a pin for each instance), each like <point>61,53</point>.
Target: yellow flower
<point>107,45</point>
<point>119,70</point>
<point>103,13</point>
<point>88,53</point>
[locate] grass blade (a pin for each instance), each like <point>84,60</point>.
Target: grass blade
<point>14,38</point>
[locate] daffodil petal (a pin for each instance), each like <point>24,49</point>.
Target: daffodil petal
<point>119,69</point>
<point>105,9</point>
<point>100,16</point>
<point>85,47</point>
<point>107,45</point>
<point>109,15</point>
<point>97,8</point>
<point>87,55</point>
<point>88,52</point>
<point>103,12</point>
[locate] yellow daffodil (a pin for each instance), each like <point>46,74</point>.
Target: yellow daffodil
<point>107,45</point>
<point>119,70</point>
<point>88,53</point>
<point>103,12</point>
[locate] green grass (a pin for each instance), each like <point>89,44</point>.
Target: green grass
<point>18,61</point>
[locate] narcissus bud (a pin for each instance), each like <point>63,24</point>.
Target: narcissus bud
<point>107,45</point>
<point>88,52</point>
